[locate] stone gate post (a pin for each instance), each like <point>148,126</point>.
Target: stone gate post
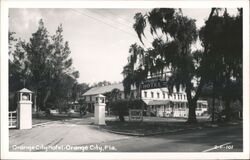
<point>24,110</point>
<point>100,109</point>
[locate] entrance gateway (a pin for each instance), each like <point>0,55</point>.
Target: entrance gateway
<point>100,109</point>
<point>24,109</point>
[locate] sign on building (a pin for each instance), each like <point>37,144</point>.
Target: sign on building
<point>135,115</point>
<point>153,83</point>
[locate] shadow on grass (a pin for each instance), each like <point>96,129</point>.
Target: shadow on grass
<point>147,127</point>
<point>153,127</point>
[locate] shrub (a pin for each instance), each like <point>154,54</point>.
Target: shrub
<point>121,107</point>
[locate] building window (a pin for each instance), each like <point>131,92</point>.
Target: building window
<point>175,106</point>
<point>132,94</point>
<point>199,107</point>
<point>90,98</point>
<point>163,95</point>
<point>145,94</point>
<point>182,105</point>
<point>122,96</point>
<point>174,96</point>
<point>181,96</point>
<point>125,96</point>
<point>152,94</point>
<point>179,106</point>
<point>184,96</point>
<point>158,95</point>
<point>168,96</point>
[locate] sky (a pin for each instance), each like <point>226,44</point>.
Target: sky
<point>99,39</point>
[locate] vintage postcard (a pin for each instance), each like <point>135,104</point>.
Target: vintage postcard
<point>126,79</point>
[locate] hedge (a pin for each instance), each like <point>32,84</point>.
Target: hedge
<point>121,107</point>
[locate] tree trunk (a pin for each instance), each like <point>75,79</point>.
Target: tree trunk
<point>35,102</point>
<point>191,112</point>
<point>227,110</point>
<point>121,118</point>
<point>46,98</point>
<point>213,109</point>
<point>227,99</point>
<point>213,103</point>
<point>192,102</point>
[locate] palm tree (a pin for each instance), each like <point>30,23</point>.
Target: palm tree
<point>134,72</point>
<point>172,49</point>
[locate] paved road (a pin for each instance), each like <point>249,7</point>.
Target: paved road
<point>224,139</point>
<point>76,135</point>
<point>59,133</point>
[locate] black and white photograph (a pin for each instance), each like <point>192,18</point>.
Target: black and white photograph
<point>160,81</point>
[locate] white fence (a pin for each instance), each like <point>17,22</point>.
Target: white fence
<point>13,119</point>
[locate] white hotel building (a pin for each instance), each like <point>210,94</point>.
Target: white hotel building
<point>159,102</point>
<point>163,104</point>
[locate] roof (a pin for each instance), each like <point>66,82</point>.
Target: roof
<point>100,95</point>
<point>105,89</point>
<point>25,90</point>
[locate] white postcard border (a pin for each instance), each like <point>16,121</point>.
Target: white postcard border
<point>5,5</point>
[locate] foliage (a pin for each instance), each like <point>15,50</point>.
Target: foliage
<point>12,40</point>
<point>17,69</point>
<point>112,96</point>
<point>44,66</point>
<point>78,90</point>
<point>121,107</point>
<point>134,72</point>
<point>102,83</point>
<point>83,87</point>
<point>173,35</point>
<point>171,51</point>
<point>222,39</point>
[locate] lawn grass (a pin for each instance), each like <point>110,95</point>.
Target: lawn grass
<point>147,127</point>
<point>155,125</point>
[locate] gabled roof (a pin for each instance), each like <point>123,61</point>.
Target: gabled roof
<point>25,90</point>
<point>105,89</point>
